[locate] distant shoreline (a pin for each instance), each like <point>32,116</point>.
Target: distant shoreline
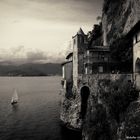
<point>29,75</point>
<point>47,69</point>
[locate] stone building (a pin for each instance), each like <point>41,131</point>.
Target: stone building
<point>81,69</point>
<point>79,47</point>
<point>85,66</point>
<point>67,74</point>
<point>87,57</point>
<point>97,60</point>
<point>135,34</point>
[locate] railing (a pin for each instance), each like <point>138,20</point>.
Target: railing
<point>92,59</point>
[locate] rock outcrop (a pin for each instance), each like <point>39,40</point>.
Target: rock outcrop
<point>119,16</point>
<point>70,111</point>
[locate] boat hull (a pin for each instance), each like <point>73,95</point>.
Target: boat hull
<point>14,102</point>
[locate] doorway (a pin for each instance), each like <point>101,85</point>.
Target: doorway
<point>84,100</point>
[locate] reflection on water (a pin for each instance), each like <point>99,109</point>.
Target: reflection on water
<point>36,115</point>
<point>15,107</point>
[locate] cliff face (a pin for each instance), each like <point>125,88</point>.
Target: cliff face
<point>108,115</point>
<point>119,16</point>
<point>111,112</point>
<point>70,111</point>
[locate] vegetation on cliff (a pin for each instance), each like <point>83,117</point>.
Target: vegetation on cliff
<point>109,110</point>
<point>132,120</point>
<point>117,96</point>
<point>96,125</point>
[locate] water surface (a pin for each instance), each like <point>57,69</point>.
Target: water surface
<point>36,116</point>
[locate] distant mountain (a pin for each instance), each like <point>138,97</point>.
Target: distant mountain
<point>30,69</point>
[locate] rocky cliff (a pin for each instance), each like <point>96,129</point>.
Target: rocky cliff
<point>107,110</point>
<point>113,114</point>
<point>112,109</point>
<point>70,111</point>
<point>119,16</point>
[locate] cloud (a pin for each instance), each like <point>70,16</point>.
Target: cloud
<point>43,25</point>
<point>20,55</point>
<point>16,50</point>
<point>37,56</point>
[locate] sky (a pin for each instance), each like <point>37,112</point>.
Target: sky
<point>41,30</point>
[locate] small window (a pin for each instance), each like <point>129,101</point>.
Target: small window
<point>94,69</point>
<point>74,41</point>
<point>86,70</point>
<point>101,56</point>
<point>87,52</point>
<point>100,69</point>
<point>105,58</point>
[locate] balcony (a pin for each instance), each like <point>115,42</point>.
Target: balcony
<point>90,60</point>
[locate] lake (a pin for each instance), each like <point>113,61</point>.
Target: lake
<point>36,116</point>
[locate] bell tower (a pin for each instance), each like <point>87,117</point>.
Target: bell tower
<point>79,46</point>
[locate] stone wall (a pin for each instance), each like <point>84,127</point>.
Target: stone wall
<point>136,68</point>
<point>68,71</point>
<point>71,108</point>
<point>75,60</point>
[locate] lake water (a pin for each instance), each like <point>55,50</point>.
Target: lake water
<point>36,116</point>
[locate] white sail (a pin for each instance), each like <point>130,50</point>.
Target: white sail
<point>14,97</point>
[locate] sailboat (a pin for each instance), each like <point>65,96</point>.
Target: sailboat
<point>14,99</point>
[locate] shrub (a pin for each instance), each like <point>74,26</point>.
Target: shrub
<point>118,96</point>
<point>69,93</point>
<point>97,125</point>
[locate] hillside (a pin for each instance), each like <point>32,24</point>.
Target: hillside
<point>30,69</point>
